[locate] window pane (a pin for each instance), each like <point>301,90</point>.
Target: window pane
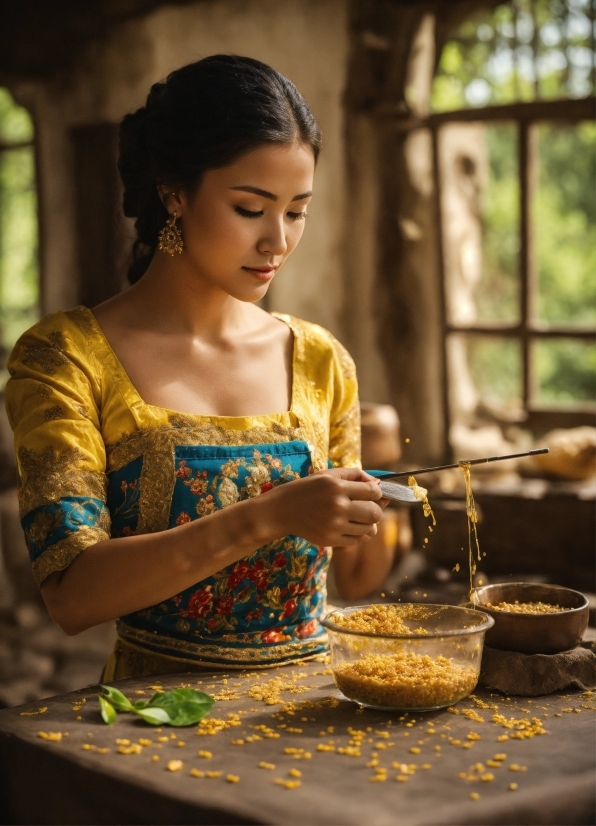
<point>565,371</point>
<point>16,125</point>
<point>18,245</point>
<point>484,371</point>
<point>565,224</point>
<point>525,50</point>
<point>480,204</point>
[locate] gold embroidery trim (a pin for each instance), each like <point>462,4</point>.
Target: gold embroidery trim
<point>47,356</point>
<point>49,476</point>
<point>80,317</point>
<point>53,413</point>
<point>60,555</point>
<point>157,447</point>
<point>258,653</point>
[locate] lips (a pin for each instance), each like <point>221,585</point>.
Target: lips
<point>262,273</point>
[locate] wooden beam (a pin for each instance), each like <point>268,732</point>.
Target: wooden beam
<point>517,330</point>
<point>569,110</point>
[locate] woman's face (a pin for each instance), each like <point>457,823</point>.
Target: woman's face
<point>246,218</point>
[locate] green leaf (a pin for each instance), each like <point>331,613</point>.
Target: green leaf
<point>117,698</point>
<point>108,712</point>
<point>154,716</point>
<point>185,713</point>
<point>184,706</point>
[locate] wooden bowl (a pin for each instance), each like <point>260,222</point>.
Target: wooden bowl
<point>534,633</point>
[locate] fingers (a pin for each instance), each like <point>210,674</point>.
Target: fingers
<point>350,474</point>
<point>368,513</point>
<point>365,490</point>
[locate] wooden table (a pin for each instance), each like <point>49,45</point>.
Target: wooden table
<point>70,781</point>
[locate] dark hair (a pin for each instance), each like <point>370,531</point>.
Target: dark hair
<point>204,116</point>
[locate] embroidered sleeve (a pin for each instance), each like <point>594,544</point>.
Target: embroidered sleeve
<point>344,425</point>
<point>51,404</point>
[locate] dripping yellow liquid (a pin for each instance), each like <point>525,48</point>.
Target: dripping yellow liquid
<point>472,515</point>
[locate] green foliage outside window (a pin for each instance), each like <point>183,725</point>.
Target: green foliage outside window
<point>524,51</point>
<point>19,276</point>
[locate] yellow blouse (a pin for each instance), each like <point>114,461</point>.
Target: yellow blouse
<point>80,426</point>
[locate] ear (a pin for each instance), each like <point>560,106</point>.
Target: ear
<point>170,198</point>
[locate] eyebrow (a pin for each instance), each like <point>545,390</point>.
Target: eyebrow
<point>264,194</point>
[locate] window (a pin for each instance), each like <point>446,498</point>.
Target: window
<point>19,272</point>
<point>515,149</point>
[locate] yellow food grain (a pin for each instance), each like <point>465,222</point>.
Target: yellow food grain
<point>56,736</point>
<point>144,742</point>
<point>232,778</point>
<point>474,796</point>
<point>197,773</point>
<point>265,765</point>
<point>206,754</point>
<point>405,680</point>
<point>295,773</point>
<point>134,748</point>
<point>155,757</point>
<point>174,765</point>
<point>384,619</point>
<point>213,774</point>
<point>513,787</point>
<point>288,784</point>
<point>518,607</point>
<point>414,750</point>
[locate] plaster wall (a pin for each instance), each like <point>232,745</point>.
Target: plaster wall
<point>307,40</point>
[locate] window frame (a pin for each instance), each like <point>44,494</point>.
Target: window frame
<point>525,115</point>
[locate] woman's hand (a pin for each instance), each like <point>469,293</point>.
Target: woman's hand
<point>336,508</point>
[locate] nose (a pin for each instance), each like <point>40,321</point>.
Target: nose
<point>274,242</point>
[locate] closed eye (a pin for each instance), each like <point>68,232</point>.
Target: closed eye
<point>249,213</point>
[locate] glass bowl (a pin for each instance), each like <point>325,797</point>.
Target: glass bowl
<point>434,666</point>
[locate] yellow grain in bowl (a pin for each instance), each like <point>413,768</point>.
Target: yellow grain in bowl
<point>406,656</point>
<point>518,607</point>
<point>383,619</point>
<point>405,680</point>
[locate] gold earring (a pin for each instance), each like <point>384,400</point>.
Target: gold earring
<point>170,237</point>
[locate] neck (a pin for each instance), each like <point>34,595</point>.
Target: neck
<point>176,297</point>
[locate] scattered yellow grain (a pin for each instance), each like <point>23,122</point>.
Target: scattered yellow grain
<point>50,735</point>
<point>174,765</point>
<point>196,773</point>
<point>474,796</point>
<point>134,748</point>
<point>232,778</point>
<point>206,754</point>
<point>513,787</point>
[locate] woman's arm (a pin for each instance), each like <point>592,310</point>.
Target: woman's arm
<point>118,576</point>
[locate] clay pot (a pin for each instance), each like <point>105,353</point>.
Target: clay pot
<point>380,436</point>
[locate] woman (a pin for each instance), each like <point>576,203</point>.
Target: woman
<point>155,435</point>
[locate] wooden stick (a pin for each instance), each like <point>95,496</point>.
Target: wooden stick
<point>463,462</point>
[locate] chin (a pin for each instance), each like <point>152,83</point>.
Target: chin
<point>250,296</point>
